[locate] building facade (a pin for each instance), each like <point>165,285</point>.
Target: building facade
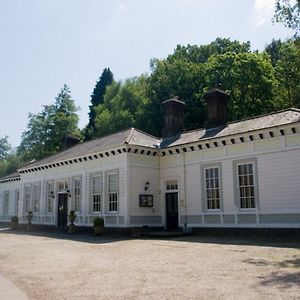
<point>238,175</point>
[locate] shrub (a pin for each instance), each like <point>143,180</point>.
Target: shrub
<point>98,221</point>
<point>14,219</point>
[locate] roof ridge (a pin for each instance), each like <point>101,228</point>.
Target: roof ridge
<point>266,114</point>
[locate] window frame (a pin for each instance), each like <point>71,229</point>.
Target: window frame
<point>17,201</point>
<point>27,202</point>
<point>94,193</point>
<point>36,200</point>
<point>114,193</point>
<point>6,203</point>
<point>50,197</point>
<point>76,198</point>
<point>238,199</point>
<point>205,205</point>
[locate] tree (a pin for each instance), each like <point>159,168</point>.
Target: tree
<point>47,129</point>
<point>122,107</point>
<point>97,97</point>
<point>288,13</point>
<point>193,70</point>
<point>10,164</point>
<point>287,71</point>
<point>4,147</point>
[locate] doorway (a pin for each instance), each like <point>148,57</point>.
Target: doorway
<point>62,212</point>
<point>172,211</point>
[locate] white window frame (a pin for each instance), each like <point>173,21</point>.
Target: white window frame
<point>36,197</point>
<point>27,201</point>
<point>96,195</point>
<point>112,192</point>
<point>63,185</point>
<point>171,185</point>
<point>17,201</point>
<point>216,183</point>
<point>6,203</point>
<point>76,197</point>
<point>50,185</point>
<point>248,185</point>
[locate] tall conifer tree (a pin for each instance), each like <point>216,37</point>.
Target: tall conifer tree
<point>105,80</point>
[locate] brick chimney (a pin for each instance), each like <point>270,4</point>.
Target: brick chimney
<point>217,107</point>
<point>173,117</point>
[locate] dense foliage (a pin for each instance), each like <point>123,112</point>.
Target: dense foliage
<point>258,83</point>
<point>46,130</point>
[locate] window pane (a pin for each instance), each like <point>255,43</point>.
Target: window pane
<point>212,188</point>
<point>246,185</point>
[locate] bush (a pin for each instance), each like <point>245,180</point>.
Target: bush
<point>98,221</point>
<point>14,219</point>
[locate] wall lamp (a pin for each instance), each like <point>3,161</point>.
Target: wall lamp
<point>147,184</point>
<point>52,195</point>
<point>68,192</point>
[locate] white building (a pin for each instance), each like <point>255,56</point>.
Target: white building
<point>240,174</point>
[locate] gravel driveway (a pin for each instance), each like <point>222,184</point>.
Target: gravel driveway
<point>60,266</point>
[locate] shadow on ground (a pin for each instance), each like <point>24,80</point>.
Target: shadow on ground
<point>197,238</point>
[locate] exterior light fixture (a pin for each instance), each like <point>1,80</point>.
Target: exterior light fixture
<point>147,184</point>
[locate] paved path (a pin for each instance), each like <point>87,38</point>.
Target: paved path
<point>8,291</point>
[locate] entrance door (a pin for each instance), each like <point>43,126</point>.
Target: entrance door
<point>62,212</point>
<point>172,210</point>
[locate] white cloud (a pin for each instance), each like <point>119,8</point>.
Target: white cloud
<point>263,5</point>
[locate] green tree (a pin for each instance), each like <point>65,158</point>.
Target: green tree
<point>10,164</point>
<point>97,98</point>
<point>288,13</point>
<point>248,77</point>
<point>192,70</point>
<point>46,130</point>
<point>287,72</point>
<point>4,147</point>
<point>122,107</point>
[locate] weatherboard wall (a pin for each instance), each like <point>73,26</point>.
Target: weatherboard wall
<point>277,162</point>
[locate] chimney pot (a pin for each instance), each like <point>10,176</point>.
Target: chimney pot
<point>217,107</point>
<point>173,117</point>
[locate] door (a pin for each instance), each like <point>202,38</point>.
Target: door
<point>62,212</point>
<point>171,211</point>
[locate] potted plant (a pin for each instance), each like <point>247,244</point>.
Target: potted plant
<point>72,217</point>
<point>98,225</point>
<point>14,222</point>
<point>29,217</point>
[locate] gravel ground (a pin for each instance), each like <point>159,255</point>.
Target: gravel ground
<point>60,266</point>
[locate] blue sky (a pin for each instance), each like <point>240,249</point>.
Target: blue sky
<point>46,43</point>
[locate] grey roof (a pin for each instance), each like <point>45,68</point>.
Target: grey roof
<point>15,175</point>
<point>133,136</point>
<point>130,136</point>
<point>257,123</point>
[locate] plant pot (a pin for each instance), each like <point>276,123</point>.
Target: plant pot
<point>98,230</point>
<point>72,228</point>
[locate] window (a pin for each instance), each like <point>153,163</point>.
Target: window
<point>212,188</point>
<point>50,197</point>
<point>17,200</point>
<point>36,197</point>
<point>27,197</point>
<point>5,203</point>
<point>96,193</point>
<point>62,186</point>
<point>113,187</point>
<point>76,194</point>
<point>171,185</point>
<point>246,185</point>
